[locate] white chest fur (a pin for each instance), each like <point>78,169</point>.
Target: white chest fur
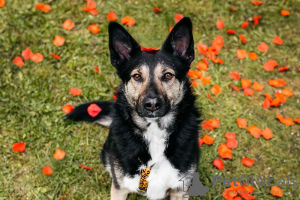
<point>163,175</point>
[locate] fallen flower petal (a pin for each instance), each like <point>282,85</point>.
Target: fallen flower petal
<point>27,54</point>
<point>111,16</point>
<point>59,154</point>
<point>245,83</point>
<point>85,167</point>
<point>224,151</point>
<point>230,32</point>
<point>202,48</point>
<point>94,28</point>
<point>211,124</point>
<point>218,163</point>
<point>208,95</point>
<point>18,61</point>
<point>229,193</point>
<point>241,53</point>
<point>235,88</point>
<point>2,3</point>
<point>284,13</point>
<point>263,47</point>
<point>178,17</point>
<point>37,57</point>
<point>55,56</point>
<point>19,147</point>
<point>256,20</point>
<point>200,141</point>
<point>270,65</point>
<point>283,68</point>
<point>257,2</point>
<point>208,139</point>
<point>287,92</point>
<point>276,191</point>
<point>97,69</point>
<point>67,108</point>
<point>206,79</point>
<point>235,75</point>
<point>232,144</point>
<point>93,110</point>
<point>252,55</point>
<point>220,24</point>
<point>156,9</point>
<point>254,131</point>
<point>248,92</point>
<point>247,162</point>
<point>68,25</point>
<point>257,87</point>
<point>297,120</point>
<point>216,89</point>
<point>94,12</point>
<point>47,170</point>
<point>202,66</point>
<point>245,24</point>
<point>277,40</point>
<point>58,40</point>
<point>75,91</point>
<point>243,39</point>
<point>267,103</point>
<point>267,133</point>
<point>241,122</point>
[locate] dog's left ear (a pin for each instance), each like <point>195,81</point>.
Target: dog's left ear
<point>180,41</point>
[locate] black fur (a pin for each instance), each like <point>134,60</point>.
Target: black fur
<point>125,144</point>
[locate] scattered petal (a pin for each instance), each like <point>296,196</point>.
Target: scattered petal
<point>287,92</point>
<point>111,16</point>
<point>245,24</point>
<point>208,139</point>
<point>94,110</point>
<point>247,162</point>
<point>68,25</point>
<point>254,131</point>
<point>211,124</point>
<point>200,141</point>
<point>257,87</point>
<point>206,79</point>
<point>202,66</point>
<point>216,89</point>
<point>220,24</point>
<point>128,21</point>
<point>75,91</point>
<point>218,163</point>
<point>67,108</point>
<point>202,48</point>
<point>257,2</point>
<point>97,69</point>
<point>252,55</point>
<point>85,167</point>
<point>243,39</point>
<point>37,57</point>
<point>248,92</point>
<point>18,61</point>
<point>263,47</point>
<point>245,83</point>
<point>270,65</point>
<point>94,28</point>
<point>156,9</point>
<point>230,31</point>
<point>178,17</point>
<point>283,68</point>
<point>47,170</point>
<point>284,13</point>
<point>224,151</point>
<point>267,133</point>
<point>241,122</point>
<point>241,53</point>
<point>235,75</point>
<point>2,3</point>
<point>277,40</point>
<point>276,191</point>
<point>19,147</point>
<point>55,56</point>
<point>27,54</point>
<point>59,154</point>
<point>235,88</point>
<point>58,40</point>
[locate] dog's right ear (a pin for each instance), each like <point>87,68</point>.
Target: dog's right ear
<point>121,45</point>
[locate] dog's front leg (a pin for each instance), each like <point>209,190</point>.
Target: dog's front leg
<point>178,195</point>
<point>118,194</point>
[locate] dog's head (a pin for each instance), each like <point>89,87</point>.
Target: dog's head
<point>153,80</point>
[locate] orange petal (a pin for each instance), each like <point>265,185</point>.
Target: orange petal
<point>267,133</point>
<point>91,5</point>
<point>75,91</point>
<point>277,40</point>
<point>206,79</point>
<point>245,24</point>
<point>248,92</point>
<point>178,17</point>
<point>256,20</point>
<point>18,61</point>
<point>93,12</point>
<point>247,162</point>
<point>208,139</point>
<point>2,3</point>
<point>111,16</point>
<point>194,74</point>
<point>270,65</point>
<point>97,69</point>
<point>235,75</point>
<point>243,39</point>
<point>284,13</point>
<point>59,154</point>
<point>211,124</point>
<point>254,131</point>
<point>268,96</point>
<point>94,28</point>
<point>202,66</point>
<point>58,40</point>
<point>297,120</point>
<point>68,25</point>
<point>131,22</point>
<point>218,163</point>
<point>47,170</point>
<point>245,83</point>
<point>267,103</point>
<point>230,32</point>
<point>235,88</point>
<point>67,108</point>
<point>216,89</point>
<point>202,48</point>
<point>241,53</point>
<point>37,57</point>
<point>46,8</point>
<point>252,55</point>
<point>194,83</point>
<point>257,87</point>
<point>55,56</point>
<point>208,95</point>
<point>230,136</point>
<point>156,9</point>
<point>27,54</point>
<point>220,24</point>
<point>229,193</point>
<point>200,141</point>
<point>283,68</point>
<point>224,151</point>
<point>85,167</point>
<point>263,47</point>
<point>276,191</point>
<point>241,122</point>
<point>93,110</point>
<point>232,144</point>
<point>257,2</point>
<point>19,147</point>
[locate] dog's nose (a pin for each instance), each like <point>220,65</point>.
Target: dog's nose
<point>152,104</point>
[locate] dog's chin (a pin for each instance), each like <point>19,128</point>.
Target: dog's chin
<point>149,114</point>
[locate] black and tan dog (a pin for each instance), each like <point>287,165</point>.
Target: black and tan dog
<point>153,139</point>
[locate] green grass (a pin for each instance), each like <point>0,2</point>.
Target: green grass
<point>31,97</point>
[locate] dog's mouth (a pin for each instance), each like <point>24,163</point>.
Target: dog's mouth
<point>152,114</point>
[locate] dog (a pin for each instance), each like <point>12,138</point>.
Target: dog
<point>152,146</point>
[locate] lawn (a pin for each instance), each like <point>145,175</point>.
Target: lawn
<point>32,96</point>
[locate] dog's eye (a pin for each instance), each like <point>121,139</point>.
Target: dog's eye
<point>137,77</point>
<point>168,76</point>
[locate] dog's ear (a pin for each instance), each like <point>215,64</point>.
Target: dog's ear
<point>121,45</point>
<point>180,41</point>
